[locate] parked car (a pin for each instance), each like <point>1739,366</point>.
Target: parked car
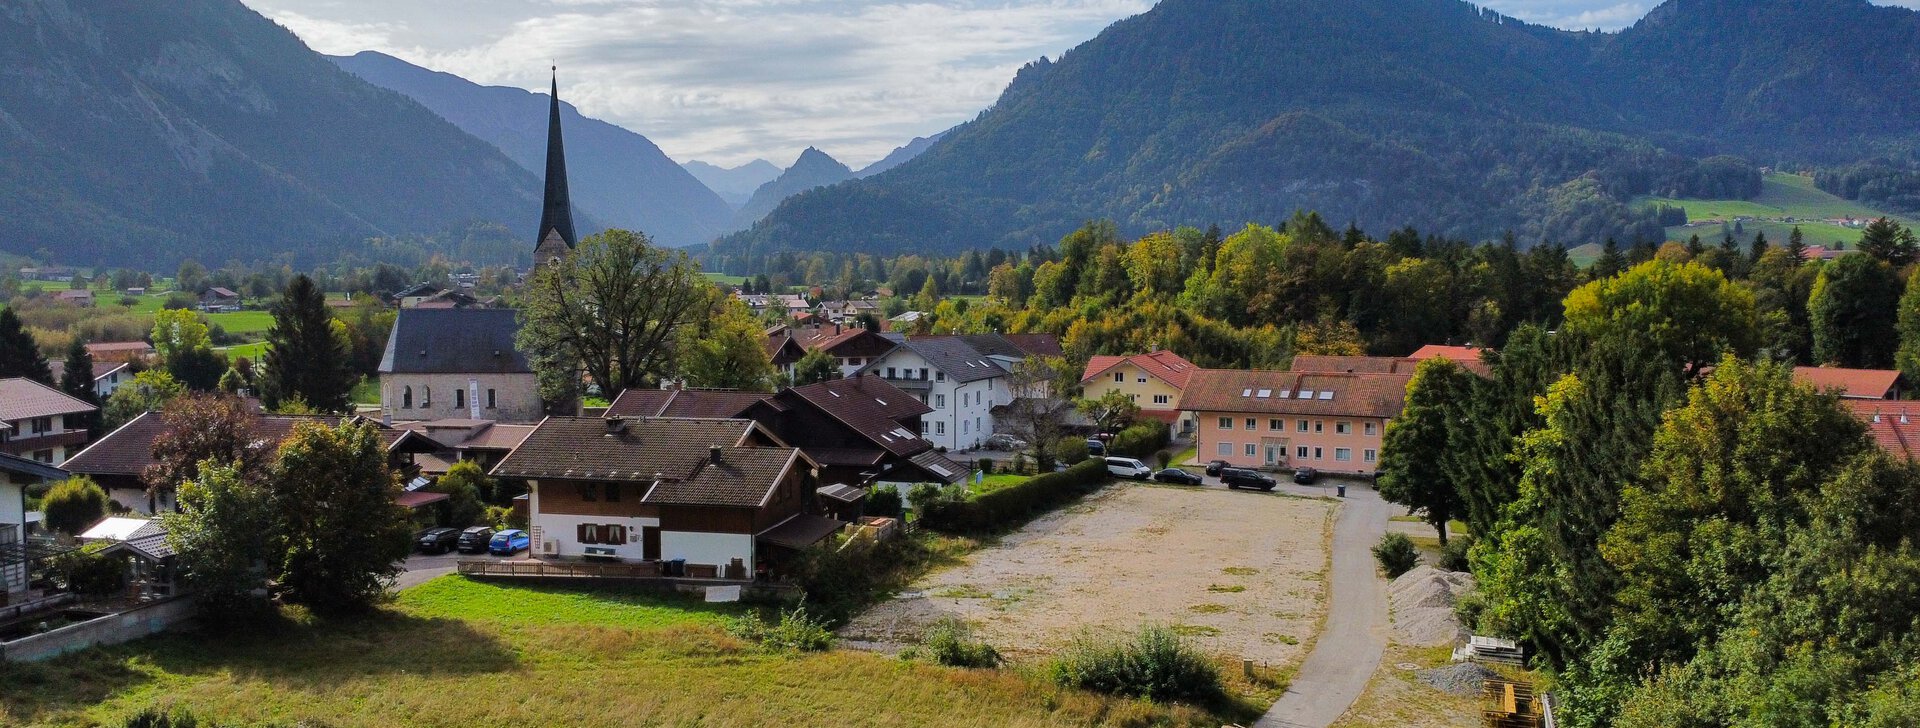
<point>1006,442</point>
<point>437,540</point>
<point>509,542</point>
<point>1306,476</point>
<point>1128,468</point>
<point>475,540</point>
<point>1215,466</point>
<point>1096,448</point>
<point>1240,478</point>
<point>1178,477</point>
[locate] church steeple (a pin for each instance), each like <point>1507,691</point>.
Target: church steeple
<point>556,236</point>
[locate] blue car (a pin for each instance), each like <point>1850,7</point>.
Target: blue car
<point>509,542</point>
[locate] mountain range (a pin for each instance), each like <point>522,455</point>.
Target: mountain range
<point>813,169</point>
<point>1387,113</point>
<point>616,176</point>
<point>141,133</point>
<point>736,185</point>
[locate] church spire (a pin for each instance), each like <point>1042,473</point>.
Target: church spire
<point>556,211</point>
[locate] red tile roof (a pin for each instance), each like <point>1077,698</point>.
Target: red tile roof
<point>1354,364</point>
<point>1850,383</point>
<point>1462,354</point>
<point>22,398</point>
<point>1894,425</point>
<point>1350,395</point>
<point>1164,365</point>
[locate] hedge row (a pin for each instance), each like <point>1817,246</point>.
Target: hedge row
<point>1013,505</point>
<point>1142,440</point>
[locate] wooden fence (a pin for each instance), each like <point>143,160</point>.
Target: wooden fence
<point>559,569</point>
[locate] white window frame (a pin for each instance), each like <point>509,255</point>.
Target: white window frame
<point>1369,428</point>
<point>1226,423</point>
<point>1343,454</point>
<point>1370,455</point>
<point>1252,450</point>
<point>1342,428</point>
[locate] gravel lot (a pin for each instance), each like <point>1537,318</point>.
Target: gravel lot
<point>1243,573</point>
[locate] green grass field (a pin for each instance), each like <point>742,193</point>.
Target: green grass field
<point>1782,196</point>
<point>243,323</point>
<point>459,652</point>
<point>366,392</point>
<point>725,279</point>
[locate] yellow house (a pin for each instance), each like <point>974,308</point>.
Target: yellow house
<point>1154,381</point>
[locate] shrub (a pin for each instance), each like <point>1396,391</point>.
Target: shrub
<point>1453,557</point>
<point>1164,458</point>
<point>1069,450</point>
<point>1156,664</point>
<point>884,502</point>
<point>986,465</point>
<point>504,517</point>
<point>93,574</point>
<point>951,642</point>
<point>1019,465</point>
<point>794,631</point>
<point>74,504</point>
<point>178,301</point>
<point>1141,440</point>
<point>1012,505</point>
<point>1396,554</point>
<point>926,496</point>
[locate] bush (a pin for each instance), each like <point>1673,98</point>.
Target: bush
<point>884,502</point>
<point>178,301</point>
<point>986,465</point>
<point>1009,506</point>
<point>504,517</point>
<point>795,631</point>
<point>1156,664</point>
<point>74,504</point>
<point>1069,450</point>
<point>1141,440</point>
<point>1164,458</point>
<point>1396,554</point>
<point>1453,557</point>
<point>91,573</point>
<point>1019,465</point>
<point>926,496</point>
<point>950,642</point>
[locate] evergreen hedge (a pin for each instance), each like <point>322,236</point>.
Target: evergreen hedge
<point>1013,505</point>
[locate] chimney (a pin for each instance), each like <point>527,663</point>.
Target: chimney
<point>836,328</point>
<point>713,455</point>
<point>616,425</point>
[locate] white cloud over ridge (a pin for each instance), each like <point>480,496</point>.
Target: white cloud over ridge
<point>727,81</point>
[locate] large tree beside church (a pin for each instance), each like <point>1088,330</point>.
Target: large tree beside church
<point>307,358</point>
<point>610,308</point>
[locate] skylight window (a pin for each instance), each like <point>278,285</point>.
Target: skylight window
<point>940,471</point>
<point>1246,392</point>
<point>1286,394</point>
<point>1264,393</point>
<point>882,402</point>
<point>1306,394</point>
<point>1327,395</point>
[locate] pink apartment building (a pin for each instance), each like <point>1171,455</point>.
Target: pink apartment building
<point>1332,422</point>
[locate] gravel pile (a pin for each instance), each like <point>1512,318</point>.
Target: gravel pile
<point>1464,679</point>
<point>1422,601</point>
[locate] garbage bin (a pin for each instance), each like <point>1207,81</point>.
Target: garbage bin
<point>1343,489</point>
<point>677,567</point>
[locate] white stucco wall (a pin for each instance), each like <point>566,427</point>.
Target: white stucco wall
<point>962,416</point>
<point>565,531</point>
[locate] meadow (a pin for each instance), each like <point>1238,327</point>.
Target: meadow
<point>1781,196</point>
<point>460,652</point>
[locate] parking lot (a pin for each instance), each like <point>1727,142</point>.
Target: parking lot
<point>1241,572</point>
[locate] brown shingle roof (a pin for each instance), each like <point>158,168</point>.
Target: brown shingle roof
<point>743,478</point>
<point>129,450</point>
<point>1353,395</point>
<point>596,449</point>
<point>695,403</point>
<point>1850,383</point>
<point>640,403</point>
<point>871,407</point>
<point>22,398</point>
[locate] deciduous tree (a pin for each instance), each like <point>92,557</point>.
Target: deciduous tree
<point>727,351</point>
<point>73,505</point>
<point>343,535</point>
<point>611,309</point>
<point>816,367</point>
<point>1413,453</point>
<point>1854,312</point>
<point>224,533</point>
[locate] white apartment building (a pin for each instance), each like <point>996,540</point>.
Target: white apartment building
<point>959,383</point>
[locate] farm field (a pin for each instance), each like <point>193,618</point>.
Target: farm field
<point>1782,196</point>
<point>1252,586</point>
<point>459,652</point>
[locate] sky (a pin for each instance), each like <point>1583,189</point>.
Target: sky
<point>728,81</point>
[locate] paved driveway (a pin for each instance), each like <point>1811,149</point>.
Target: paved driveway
<point>1350,646</point>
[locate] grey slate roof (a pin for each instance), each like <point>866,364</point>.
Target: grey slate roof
<point>30,468</point>
<point>454,341</point>
<point>22,398</point>
<point>956,357</point>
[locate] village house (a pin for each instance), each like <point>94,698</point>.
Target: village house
<point>846,311</point>
<point>1154,381</point>
<point>1851,383</point>
<point>724,497</point>
<point>959,383</point>
<point>783,350</point>
<point>1333,422</point>
<point>18,550</point>
<point>50,273</point>
<point>41,423</point>
<point>860,430</point>
<point>107,375</point>
<point>411,296</point>
<point>1893,425</point>
<point>435,447</point>
<point>118,462</point>
<point>853,347</point>
<point>458,364</point>
<point>219,299</point>
<point>79,297</point>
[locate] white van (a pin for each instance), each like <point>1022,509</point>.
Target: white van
<point>1128,468</point>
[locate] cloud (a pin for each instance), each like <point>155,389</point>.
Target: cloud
<point>731,80</point>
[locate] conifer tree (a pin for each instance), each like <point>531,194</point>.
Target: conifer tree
<point>306,359</point>
<point>19,355</point>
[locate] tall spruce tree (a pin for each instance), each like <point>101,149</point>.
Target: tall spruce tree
<point>19,355</point>
<point>1889,241</point>
<point>76,379</point>
<point>306,360</point>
